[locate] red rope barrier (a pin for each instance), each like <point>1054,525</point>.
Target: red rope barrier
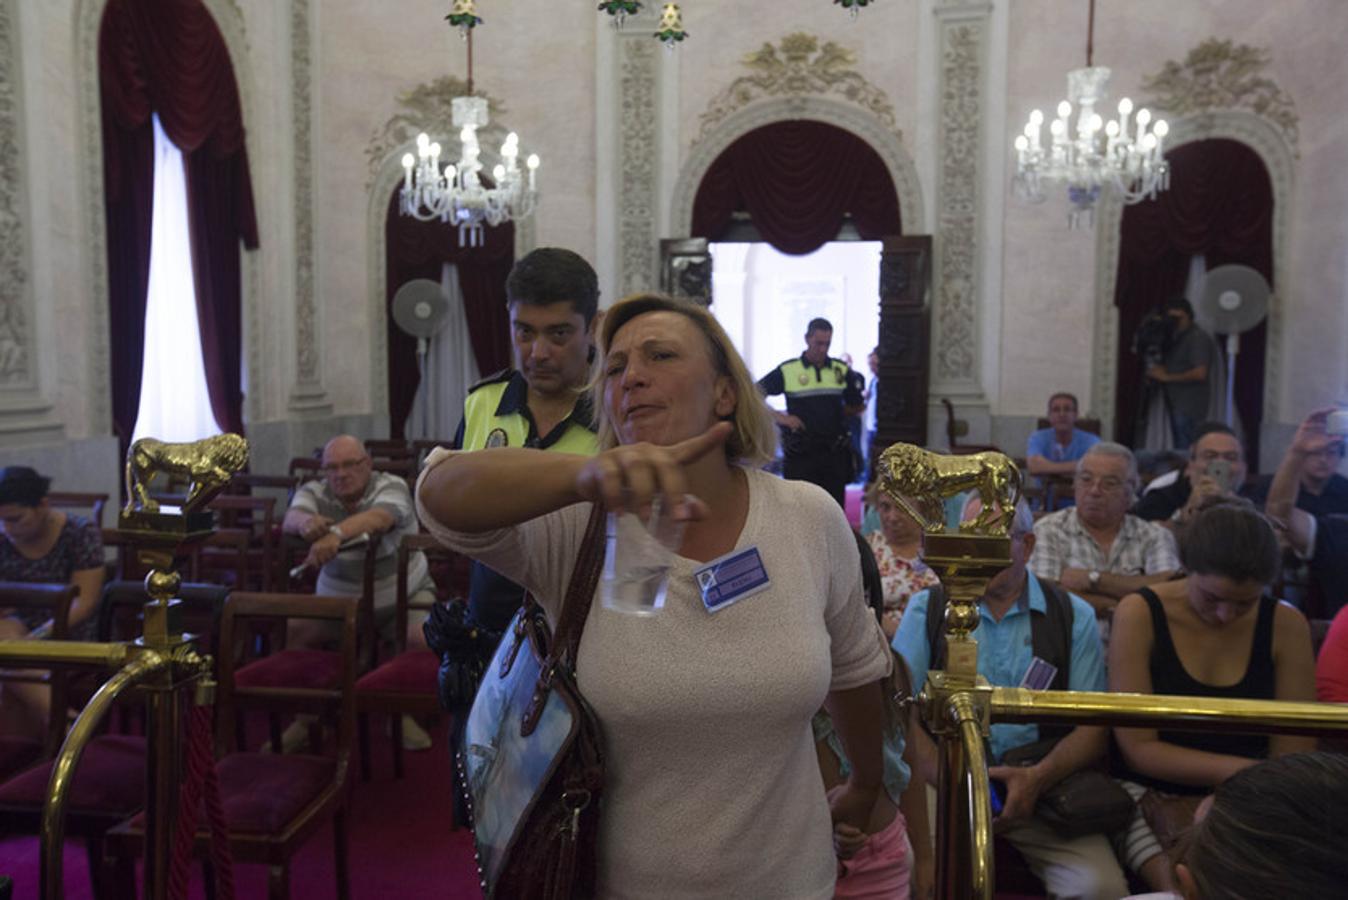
<point>200,779</point>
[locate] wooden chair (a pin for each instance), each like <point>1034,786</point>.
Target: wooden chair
<point>1090,425</point>
<point>80,501</point>
<point>274,666</point>
<point>249,484</point>
<point>257,516</point>
<point>54,601</point>
<point>406,683</point>
<point>223,558</point>
<point>274,803</point>
<point>109,783</point>
<point>305,468</point>
<point>958,428</point>
<point>390,449</point>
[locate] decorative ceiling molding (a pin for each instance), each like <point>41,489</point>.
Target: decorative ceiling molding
<point>427,107</point>
<point>1223,75</point>
<point>801,65</point>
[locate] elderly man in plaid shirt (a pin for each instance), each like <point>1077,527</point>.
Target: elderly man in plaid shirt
<point>1096,549</point>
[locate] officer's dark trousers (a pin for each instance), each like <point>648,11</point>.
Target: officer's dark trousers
<point>830,469</point>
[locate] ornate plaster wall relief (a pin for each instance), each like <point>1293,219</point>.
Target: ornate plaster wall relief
<point>307,393</point>
<point>638,154</point>
<point>15,286</point>
<point>229,19</point>
<point>1217,91</point>
<point>1221,74</point>
<point>963,38</point>
<point>800,65</point>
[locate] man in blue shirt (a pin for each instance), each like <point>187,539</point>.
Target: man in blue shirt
<point>1011,610</point>
<point>1056,449</point>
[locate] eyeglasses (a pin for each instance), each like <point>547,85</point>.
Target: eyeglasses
<point>349,466</point>
<point>1108,485</point>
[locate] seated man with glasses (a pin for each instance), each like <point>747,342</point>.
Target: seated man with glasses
<point>353,500</point>
<point>1096,549</point>
<point>1216,467</point>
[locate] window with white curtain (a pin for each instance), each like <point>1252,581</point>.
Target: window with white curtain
<point>175,404</point>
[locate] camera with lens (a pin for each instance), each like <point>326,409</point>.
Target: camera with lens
<point>1153,337</point>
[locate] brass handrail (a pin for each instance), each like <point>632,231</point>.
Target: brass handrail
<point>979,792</point>
<point>21,653</point>
<point>1006,705</point>
<point>1182,713</point>
<point>51,843</point>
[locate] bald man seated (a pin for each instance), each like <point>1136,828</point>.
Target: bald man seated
<point>352,500</point>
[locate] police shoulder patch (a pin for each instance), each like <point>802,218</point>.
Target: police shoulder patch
<point>497,438</point>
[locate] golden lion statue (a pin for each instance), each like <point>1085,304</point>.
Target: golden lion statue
<point>909,471</point>
<point>209,463</point>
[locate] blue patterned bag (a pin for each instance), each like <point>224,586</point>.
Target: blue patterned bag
<point>532,760</point>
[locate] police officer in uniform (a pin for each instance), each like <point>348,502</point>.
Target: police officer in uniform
<point>553,298</point>
<point>820,395</point>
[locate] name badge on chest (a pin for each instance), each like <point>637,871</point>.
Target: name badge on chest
<point>731,578</point>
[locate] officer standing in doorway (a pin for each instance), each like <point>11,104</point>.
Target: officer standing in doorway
<point>820,396</point>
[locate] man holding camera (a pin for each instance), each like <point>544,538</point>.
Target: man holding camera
<point>1321,540</point>
<point>1216,466</point>
<point>1189,358</point>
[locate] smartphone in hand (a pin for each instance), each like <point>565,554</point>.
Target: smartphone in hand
<point>1219,470</point>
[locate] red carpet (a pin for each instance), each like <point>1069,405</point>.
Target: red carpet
<point>402,841</point>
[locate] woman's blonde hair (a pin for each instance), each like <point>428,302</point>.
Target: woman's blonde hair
<point>754,440</point>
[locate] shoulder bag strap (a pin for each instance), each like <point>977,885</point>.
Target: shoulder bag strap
<point>580,591</point>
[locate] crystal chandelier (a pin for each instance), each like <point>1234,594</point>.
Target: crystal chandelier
<point>458,193</point>
<point>1092,153</point>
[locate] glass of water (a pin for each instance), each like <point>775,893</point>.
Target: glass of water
<point>639,555</point>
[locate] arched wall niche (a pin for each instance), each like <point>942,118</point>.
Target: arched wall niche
<point>886,141</point>
<point>1270,143</point>
<point>388,174</point>
<point>88,17</point>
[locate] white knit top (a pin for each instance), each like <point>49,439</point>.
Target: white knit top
<point>713,784</point>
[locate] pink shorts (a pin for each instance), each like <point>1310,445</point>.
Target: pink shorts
<point>881,868</point>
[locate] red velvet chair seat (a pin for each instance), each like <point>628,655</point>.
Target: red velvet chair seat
<point>110,779</point>
<point>413,672</point>
<point>17,754</point>
<point>313,669</point>
<point>262,793</point>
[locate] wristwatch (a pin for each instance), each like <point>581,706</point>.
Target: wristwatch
<point>1093,576</point>
<point>337,530</point>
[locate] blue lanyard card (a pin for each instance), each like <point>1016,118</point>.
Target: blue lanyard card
<point>731,578</point>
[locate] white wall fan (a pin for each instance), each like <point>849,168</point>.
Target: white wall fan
<point>1235,299</point>
<point>419,309</point>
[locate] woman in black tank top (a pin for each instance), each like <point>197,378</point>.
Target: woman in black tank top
<point>1211,634</point>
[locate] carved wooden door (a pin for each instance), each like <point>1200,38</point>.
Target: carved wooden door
<point>905,341</point>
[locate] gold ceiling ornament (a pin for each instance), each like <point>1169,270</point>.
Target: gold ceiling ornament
<point>800,65</point>
<point>1221,74</point>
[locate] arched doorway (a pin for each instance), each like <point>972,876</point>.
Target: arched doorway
<point>1220,207</point>
<point>798,184</point>
<point>415,249</point>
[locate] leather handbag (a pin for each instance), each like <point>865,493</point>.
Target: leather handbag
<point>532,758</point>
<point>1087,801</point>
<point>464,649</point>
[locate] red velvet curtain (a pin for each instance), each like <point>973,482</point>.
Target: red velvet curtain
<point>420,250</point>
<point>797,180</point>
<point>1220,205</point>
<point>168,57</point>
